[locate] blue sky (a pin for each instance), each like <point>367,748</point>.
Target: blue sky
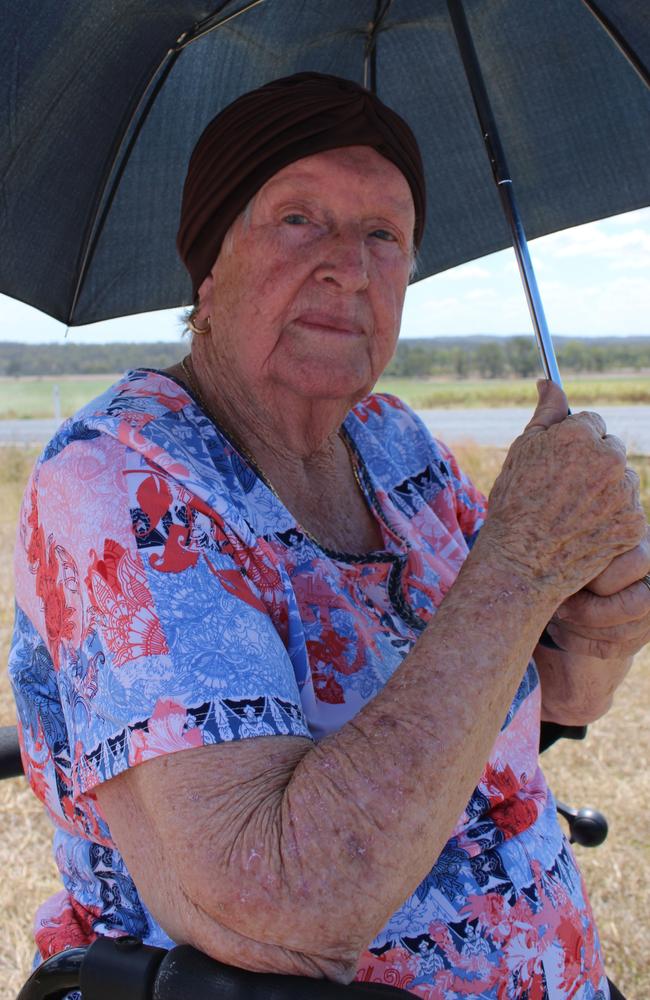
<point>594,281</point>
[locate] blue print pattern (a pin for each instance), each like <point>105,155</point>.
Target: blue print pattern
<point>167,600</point>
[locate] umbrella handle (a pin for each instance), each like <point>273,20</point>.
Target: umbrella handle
<point>503,182</point>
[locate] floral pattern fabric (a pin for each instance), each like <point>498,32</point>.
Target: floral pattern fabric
<point>166,599</point>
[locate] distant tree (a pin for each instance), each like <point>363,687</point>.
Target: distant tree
<point>461,362</point>
<point>86,359</point>
<point>576,356</point>
<point>490,359</point>
<point>522,356</point>
<point>416,361</point>
<point>425,356</point>
<point>598,359</point>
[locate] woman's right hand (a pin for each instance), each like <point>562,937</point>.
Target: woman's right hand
<point>565,503</point>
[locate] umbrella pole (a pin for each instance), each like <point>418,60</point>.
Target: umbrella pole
<point>503,182</point>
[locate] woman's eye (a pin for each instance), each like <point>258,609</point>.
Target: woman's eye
<point>296,219</point>
<point>384,234</point>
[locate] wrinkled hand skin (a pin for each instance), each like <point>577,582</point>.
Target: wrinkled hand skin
<point>566,505</point>
<point>599,630</point>
<point>610,617</point>
<point>566,512</point>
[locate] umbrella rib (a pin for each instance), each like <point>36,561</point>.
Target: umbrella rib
<point>139,116</point>
<point>370,51</point>
<point>117,167</point>
<point>206,26</point>
<point>621,43</point>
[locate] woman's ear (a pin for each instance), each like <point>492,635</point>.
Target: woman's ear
<point>204,300</point>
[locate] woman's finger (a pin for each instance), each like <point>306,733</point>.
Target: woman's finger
<point>625,570</point>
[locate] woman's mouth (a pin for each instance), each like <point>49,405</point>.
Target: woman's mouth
<point>330,323</point>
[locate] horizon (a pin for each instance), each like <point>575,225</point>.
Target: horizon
<point>416,339</point>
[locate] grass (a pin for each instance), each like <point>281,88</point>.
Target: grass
<point>588,390</point>
<point>610,771</point>
<point>482,465</point>
<point>30,398</point>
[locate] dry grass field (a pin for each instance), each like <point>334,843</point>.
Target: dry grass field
<point>610,770</point>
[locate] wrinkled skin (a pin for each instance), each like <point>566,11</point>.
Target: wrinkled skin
<point>611,615</point>
<point>565,503</point>
<point>605,620</point>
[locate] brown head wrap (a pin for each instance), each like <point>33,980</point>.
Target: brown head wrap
<point>269,128</point>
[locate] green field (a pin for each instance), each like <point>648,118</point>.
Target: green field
<point>29,398</point>
<point>585,390</point>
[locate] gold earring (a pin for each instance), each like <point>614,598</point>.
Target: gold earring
<point>197,329</point>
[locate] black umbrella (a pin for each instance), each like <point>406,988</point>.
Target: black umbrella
<point>102,104</point>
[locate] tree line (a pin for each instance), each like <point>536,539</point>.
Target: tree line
<point>461,357</point>
<point>86,359</point>
<point>501,357</point>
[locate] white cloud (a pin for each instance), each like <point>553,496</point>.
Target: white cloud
<point>594,308</point>
<point>639,217</point>
<point>594,241</point>
<point>467,272</point>
<point>635,262</point>
<point>510,267</point>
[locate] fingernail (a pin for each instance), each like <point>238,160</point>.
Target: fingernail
<point>543,385</point>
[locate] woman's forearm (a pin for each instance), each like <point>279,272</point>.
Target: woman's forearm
<point>364,814</point>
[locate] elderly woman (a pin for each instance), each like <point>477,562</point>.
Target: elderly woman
<point>275,687</point>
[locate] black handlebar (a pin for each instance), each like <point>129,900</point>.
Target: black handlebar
<point>126,968</point>
<point>55,977</point>
<point>187,974</point>
<point>11,765</point>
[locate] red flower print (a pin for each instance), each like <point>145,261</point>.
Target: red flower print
<point>176,556</point>
<point>165,733</point>
<point>327,688</point>
<point>44,562</point>
<point>517,810</point>
<point>514,816</point>
<point>500,782</point>
<point>154,497</point>
<point>123,606</point>
<point>63,923</point>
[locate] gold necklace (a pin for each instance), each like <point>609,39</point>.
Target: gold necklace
<point>246,453</point>
<point>234,439</point>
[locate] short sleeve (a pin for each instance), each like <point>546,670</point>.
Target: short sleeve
<point>160,628</point>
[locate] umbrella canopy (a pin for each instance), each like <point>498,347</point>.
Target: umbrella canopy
<point>102,104</point>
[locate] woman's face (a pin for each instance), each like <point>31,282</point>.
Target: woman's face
<point>307,293</point>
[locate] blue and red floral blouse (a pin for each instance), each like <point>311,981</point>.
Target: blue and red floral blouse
<point>165,599</point>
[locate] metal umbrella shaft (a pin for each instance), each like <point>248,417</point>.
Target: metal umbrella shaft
<point>503,181</point>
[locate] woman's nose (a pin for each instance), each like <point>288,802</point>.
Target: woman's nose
<point>345,262</point>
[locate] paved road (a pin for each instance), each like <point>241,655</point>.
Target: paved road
<point>500,426</point>
<point>494,427</point>
<point>35,432</point>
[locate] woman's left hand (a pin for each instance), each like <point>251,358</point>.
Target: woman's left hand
<point>598,630</point>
